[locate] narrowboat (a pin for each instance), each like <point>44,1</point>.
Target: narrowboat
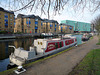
<point>41,47</point>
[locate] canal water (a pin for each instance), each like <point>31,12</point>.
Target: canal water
<point>5,51</point>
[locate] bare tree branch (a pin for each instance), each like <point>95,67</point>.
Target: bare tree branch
<point>54,6</point>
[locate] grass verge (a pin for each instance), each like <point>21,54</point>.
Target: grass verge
<point>98,41</point>
<point>91,37</point>
<point>90,65</point>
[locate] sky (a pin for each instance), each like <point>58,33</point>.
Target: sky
<point>66,14</point>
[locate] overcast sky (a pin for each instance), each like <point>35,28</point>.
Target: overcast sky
<point>66,14</point>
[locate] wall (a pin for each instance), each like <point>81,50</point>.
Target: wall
<point>23,25</point>
<point>50,27</point>
<point>66,29</point>
<point>10,20</point>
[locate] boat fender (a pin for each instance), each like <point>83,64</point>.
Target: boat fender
<point>76,45</point>
<point>20,70</point>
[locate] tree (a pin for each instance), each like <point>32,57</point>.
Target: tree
<point>55,6</point>
<point>96,23</point>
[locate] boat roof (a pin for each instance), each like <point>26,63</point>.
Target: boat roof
<point>55,39</point>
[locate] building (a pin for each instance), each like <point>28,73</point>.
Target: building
<point>78,26</point>
<point>28,24</point>
<point>50,26</point>
<point>64,28</point>
<point>6,20</point>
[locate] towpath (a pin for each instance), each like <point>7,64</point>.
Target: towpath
<point>63,63</point>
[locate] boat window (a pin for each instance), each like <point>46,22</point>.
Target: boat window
<point>67,42</point>
<point>60,44</point>
<point>38,43</point>
<point>56,45</point>
<point>41,43</point>
<point>72,41</point>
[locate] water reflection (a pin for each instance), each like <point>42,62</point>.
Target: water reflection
<point>5,51</point>
<point>25,43</point>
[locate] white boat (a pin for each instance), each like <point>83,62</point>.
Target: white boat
<point>47,34</point>
<point>42,47</point>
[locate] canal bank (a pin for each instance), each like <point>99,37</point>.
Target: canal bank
<point>66,61</point>
<point>15,36</point>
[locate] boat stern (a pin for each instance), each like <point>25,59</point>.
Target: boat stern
<point>16,60</point>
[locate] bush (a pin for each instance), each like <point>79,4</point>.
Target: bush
<point>6,32</point>
<point>18,33</point>
<point>3,32</point>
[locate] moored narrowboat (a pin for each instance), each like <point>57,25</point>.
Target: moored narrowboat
<point>41,47</point>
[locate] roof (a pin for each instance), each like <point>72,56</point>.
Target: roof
<point>37,17</point>
<point>73,21</point>
<point>28,16</point>
<point>50,21</point>
<point>1,9</point>
<point>20,15</point>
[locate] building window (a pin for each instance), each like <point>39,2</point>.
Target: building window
<point>66,28</point>
<point>51,26</point>
<point>0,18</point>
<point>28,22</point>
<point>32,30</point>
<point>0,13</point>
<point>36,19</point>
<point>6,14</point>
<point>6,23</point>
<point>6,18</point>
<point>25,30</point>
<point>35,30</point>
<point>55,29</point>
<point>10,15</point>
<point>39,31</point>
<point>11,23</point>
<point>70,28</point>
<point>55,25</point>
<point>36,25</point>
<point>41,23</point>
<point>36,22</point>
<point>11,27</point>
<point>11,19</point>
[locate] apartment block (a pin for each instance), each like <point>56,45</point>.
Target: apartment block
<point>28,24</point>
<point>50,26</point>
<point>6,20</point>
<point>64,28</point>
<point>78,26</point>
